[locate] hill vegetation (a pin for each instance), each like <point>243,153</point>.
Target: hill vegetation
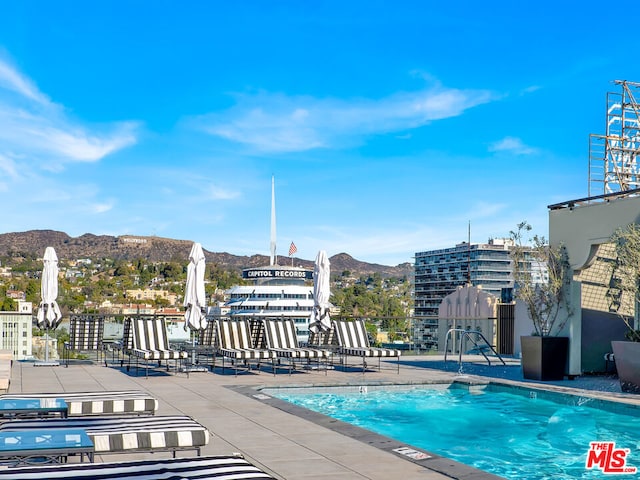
<point>157,249</point>
<point>102,268</point>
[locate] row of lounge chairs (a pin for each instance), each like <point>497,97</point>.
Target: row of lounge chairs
<point>119,422</point>
<point>238,342</point>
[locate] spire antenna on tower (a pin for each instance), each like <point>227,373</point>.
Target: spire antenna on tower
<point>274,259</point>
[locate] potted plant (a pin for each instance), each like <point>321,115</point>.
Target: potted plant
<point>542,278</point>
<point>626,289</point>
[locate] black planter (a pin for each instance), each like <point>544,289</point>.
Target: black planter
<point>544,358</point>
<point>627,357</point>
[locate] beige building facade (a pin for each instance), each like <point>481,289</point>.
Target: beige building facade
<point>585,227</point>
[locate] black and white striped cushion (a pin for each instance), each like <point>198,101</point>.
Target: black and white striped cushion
<point>100,403</point>
<point>282,338</point>
<point>128,434</point>
<point>235,341</point>
<point>150,341</point>
<point>326,338</point>
<point>234,334</point>
<point>207,337</point>
<point>85,333</point>
<point>353,340</point>
<point>371,352</point>
<point>246,354</point>
<point>218,467</point>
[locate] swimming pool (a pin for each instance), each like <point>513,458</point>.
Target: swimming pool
<point>512,432</point>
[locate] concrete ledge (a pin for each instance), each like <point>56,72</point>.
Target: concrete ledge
<point>6,360</point>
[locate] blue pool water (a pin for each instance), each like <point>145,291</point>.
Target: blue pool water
<point>515,434</point>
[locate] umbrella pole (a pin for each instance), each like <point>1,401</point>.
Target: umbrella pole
<point>46,336</point>
<point>193,347</point>
<point>46,361</point>
<point>46,346</point>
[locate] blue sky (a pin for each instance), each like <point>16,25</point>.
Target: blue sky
<point>388,126</point>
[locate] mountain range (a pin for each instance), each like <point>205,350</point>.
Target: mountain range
<point>158,249</point>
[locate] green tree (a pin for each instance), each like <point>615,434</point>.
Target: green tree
<point>7,305</point>
<point>546,298</point>
<point>32,291</point>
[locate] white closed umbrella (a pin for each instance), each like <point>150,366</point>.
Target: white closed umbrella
<point>320,320</point>
<point>194,296</point>
<point>49,315</point>
<point>195,316</point>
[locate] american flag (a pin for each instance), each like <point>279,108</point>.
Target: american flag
<point>292,249</point>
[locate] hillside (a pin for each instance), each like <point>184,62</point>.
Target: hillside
<point>158,249</point>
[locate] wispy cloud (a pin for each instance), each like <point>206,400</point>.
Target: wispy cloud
<point>530,89</point>
<point>482,209</point>
<point>512,145</point>
<point>11,79</point>
<point>279,123</point>
<point>101,207</point>
<point>41,132</point>
<point>219,193</point>
<point>8,167</point>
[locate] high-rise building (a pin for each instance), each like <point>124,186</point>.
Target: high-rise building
<point>440,272</point>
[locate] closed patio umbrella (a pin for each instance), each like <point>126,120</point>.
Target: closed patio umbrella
<point>320,320</point>
<point>194,295</point>
<point>49,315</point>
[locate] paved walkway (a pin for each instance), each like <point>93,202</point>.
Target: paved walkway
<point>287,446</point>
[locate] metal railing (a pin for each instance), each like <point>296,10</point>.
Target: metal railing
<point>477,348</point>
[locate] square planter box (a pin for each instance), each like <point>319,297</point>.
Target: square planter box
<point>544,358</point>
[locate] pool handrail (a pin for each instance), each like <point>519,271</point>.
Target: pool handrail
<point>479,348</point>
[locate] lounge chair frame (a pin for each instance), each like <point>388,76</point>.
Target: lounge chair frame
<point>353,341</point>
<point>170,433</point>
<point>145,338</point>
<point>281,338</point>
<point>236,344</point>
<point>102,403</point>
<point>85,334</point>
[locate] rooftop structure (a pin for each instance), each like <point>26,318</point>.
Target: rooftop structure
<point>613,157</point>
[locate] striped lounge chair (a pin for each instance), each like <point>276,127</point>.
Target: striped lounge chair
<point>218,467</point>
<point>235,343</point>
<point>124,402</point>
<point>282,339</point>
<point>85,334</point>
<point>353,341</point>
<point>146,339</point>
<point>127,434</point>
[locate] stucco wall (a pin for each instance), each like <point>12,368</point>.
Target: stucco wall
<point>581,229</point>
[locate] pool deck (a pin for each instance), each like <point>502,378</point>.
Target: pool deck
<point>301,446</point>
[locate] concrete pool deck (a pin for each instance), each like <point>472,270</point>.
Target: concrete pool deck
<point>294,446</point>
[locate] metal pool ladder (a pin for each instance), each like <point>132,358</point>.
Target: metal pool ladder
<point>477,347</point>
